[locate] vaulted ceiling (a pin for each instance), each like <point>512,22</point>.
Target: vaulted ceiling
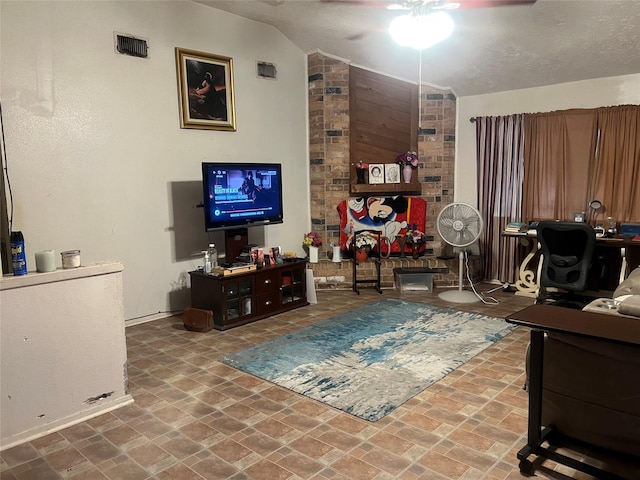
<point>491,49</point>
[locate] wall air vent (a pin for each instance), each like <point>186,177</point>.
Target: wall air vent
<point>128,45</point>
<point>266,70</point>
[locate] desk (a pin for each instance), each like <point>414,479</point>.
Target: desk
<point>547,318</point>
<point>529,272</point>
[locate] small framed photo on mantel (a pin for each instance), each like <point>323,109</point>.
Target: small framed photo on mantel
<point>376,173</point>
<point>391,173</point>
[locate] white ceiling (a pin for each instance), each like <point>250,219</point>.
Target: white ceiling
<point>491,49</point>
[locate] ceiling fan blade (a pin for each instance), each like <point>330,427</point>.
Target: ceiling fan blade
<point>472,4</point>
<point>433,4</point>
<point>356,36</point>
<point>368,3</point>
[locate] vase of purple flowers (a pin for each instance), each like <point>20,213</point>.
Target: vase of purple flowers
<point>408,161</point>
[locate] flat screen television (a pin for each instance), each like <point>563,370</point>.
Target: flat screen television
<point>241,194</point>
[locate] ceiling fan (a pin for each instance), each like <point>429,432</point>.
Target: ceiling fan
<point>427,22</point>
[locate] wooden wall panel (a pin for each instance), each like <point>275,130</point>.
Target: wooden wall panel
<point>384,121</point>
<point>384,113</point>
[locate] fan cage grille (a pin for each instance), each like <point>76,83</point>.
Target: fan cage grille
<point>459,224</point>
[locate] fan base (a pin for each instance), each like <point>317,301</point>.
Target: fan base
<point>459,296</point>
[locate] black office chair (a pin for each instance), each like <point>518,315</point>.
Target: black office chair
<point>567,252</point>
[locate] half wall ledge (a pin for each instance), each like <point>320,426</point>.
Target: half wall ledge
<point>7,282</point>
<point>63,352</point>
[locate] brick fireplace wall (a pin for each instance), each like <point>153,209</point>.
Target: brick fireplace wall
<point>330,163</point>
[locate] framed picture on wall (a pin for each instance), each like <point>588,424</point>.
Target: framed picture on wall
<point>376,173</point>
<point>205,90</point>
<point>391,173</point>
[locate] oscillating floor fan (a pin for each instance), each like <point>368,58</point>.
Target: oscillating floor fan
<point>459,224</point>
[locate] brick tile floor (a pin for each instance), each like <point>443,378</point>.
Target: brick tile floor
<point>195,418</point>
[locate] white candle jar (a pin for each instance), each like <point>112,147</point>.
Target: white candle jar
<point>46,261</point>
<point>71,259</point>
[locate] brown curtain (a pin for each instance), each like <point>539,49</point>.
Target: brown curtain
<point>615,178</point>
<point>499,155</point>
<point>559,153</point>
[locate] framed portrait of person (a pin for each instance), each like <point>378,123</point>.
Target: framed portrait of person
<point>376,173</point>
<point>205,90</point>
<point>391,173</point>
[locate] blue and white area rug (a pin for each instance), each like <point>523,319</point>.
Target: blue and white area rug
<point>371,360</point>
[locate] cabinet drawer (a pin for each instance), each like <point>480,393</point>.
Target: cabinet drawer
<point>268,302</point>
<point>267,282</point>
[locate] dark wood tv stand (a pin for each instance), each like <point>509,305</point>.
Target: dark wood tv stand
<point>243,298</point>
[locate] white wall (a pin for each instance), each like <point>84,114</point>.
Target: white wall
<point>63,355</point>
<point>601,92</point>
<point>95,153</point>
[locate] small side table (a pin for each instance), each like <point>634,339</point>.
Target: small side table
<point>373,257</point>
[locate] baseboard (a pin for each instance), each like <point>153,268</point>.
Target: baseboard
<point>150,318</point>
<point>62,423</point>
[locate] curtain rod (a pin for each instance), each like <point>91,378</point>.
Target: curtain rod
<point>472,120</point>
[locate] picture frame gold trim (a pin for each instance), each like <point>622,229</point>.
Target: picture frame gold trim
<point>205,90</point>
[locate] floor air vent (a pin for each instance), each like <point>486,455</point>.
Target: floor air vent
<point>135,47</point>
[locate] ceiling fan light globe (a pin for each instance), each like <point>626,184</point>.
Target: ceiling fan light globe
<point>421,31</point>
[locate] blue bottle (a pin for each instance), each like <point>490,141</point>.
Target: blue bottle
<point>18,254</point>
